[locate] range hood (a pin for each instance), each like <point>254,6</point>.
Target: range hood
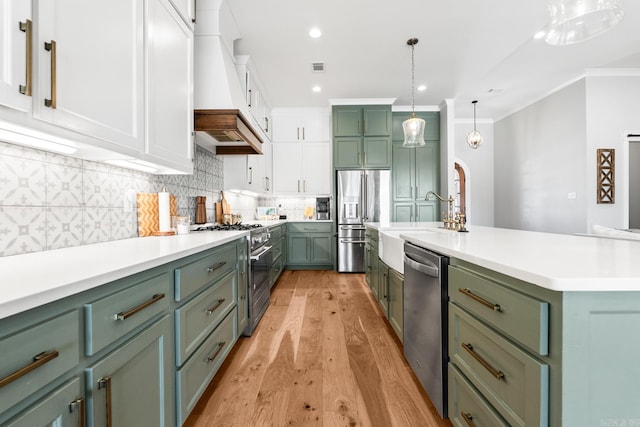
<point>221,116</point>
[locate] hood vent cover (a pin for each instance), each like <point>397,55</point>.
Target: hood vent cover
<point>318,67</point>
<point>229,128</point>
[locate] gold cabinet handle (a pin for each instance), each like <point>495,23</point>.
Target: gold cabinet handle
<point>303,134</point>
<point>38,360</point>
<point>27,28</point>
<point>215,353</point>
<point>215,267</point>
<point>124,315</point>
<point>249,99</point>
<point>51,47</point>
<point>266,124</point>
<point>496,373</point>
<point>215,306</point>
<point>105,383</point>
<point>195,11</point>
<point>467,419</point>
<point>78,405</point>
<point>491,305</point>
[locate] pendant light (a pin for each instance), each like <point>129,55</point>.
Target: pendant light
<point>474,139</point>
<point>574,21</point>
<point>413,127</point>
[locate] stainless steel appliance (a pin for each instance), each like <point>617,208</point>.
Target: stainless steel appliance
<point>322,208</point>
<point>425,321</point>
<point>260,258</point>
<point>362,196</point>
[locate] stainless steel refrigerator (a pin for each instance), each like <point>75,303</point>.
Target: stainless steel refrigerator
<point>362,196</point>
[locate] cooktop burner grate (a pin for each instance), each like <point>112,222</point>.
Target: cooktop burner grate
<point>227,227</point>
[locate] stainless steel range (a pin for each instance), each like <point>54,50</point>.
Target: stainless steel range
<point>260,258</point>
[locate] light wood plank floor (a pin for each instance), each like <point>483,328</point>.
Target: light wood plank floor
<point>322,355</point>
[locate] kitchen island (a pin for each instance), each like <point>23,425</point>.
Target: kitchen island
<point>544,329</point>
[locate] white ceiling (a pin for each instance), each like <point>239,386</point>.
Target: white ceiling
<point>466,48</point>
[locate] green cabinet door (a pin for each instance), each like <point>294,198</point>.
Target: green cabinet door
<point>321,249</point>
<point>427,169</point>
<point>347,152</point>
<point>403,211</point>
<point>431,125</point>
<point>402,173</point>
<point>347,121</point>
<point>377,152</point>
<point>396,303</point>
<point>243,285</point>
<point>427,211</point>
<point>383,287</point>
<point>136,379</point>
<point>377,120</point>
<point>298,250</point>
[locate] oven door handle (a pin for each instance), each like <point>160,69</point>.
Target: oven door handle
<point>257,257</point>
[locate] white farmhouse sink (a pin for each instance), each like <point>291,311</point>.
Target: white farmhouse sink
<point>391,249</point>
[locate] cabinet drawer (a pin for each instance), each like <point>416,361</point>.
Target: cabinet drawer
<point>199,273</point>
<point>276,269</point>
<point>524,318</point>
<point>196,319</point>
<point>516,384</point>
<point>112,317</point>
<point>310,227</point>
<point>195,375</point>
<point>36,356</point>
<point>465,403</point>
<point>63,405</point>
<point>276,232</point>
<point>276,248</point>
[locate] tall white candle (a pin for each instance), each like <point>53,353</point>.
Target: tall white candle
<point>164,214</point>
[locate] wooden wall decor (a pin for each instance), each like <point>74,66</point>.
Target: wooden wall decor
<point>606,175</point>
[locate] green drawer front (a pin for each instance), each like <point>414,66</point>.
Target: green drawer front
<point>112,317</point>
<point>60,334</point>
<point>465,403</point>
<point>371,234</point>
<point>276,269</point>
<point>310,227</point>
<point>55,406</point>
<point>196,319</point>
<point>276,248</point>
<point>524,318</point>
<point>521,395</point>
<point>194,377</point>
<point>199,273</point>
<point>276,232</point>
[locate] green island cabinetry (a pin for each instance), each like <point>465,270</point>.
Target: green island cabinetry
<point>371,259</point>
<point>279,250</point>
<point>310,245</point>
<point>138,351</point>
<point>362,136</point>
<point>524,355</point>
<point>390,296</point>
<point>415,171</point>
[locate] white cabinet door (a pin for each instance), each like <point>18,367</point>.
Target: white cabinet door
<point>316,161</point>
<point>96,57</point>
<point>286,125</point>
<point>14,15</point>
<point>315,122</point>
<point>301,124</point>
<point>187,10</point>
<point>169,110</point>
<point>287,168</point>
<point>249,172</point>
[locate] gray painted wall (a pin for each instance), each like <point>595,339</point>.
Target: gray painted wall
<point>539,159</point>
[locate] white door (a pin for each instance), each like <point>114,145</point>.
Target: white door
<point>15,17</point>
<point>287,168</point>
<point>316,124</point>
<point>95,49</point>
<point>286,125</point>
<point>316,163</point>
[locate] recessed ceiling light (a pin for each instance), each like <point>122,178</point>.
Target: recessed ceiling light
<point>316,89</point>
<point>540,34</point>
<point>315,33</point>
<point>422,88</point>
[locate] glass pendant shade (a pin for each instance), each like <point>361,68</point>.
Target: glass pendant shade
<point>573,21</point>
<point>413,129</point>
<point>474,139</point>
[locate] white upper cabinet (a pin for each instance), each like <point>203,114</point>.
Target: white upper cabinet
<point>187,11</point>
<point>169,86</point>
<point>254,93</point>
<point>90,66</point>
<point>301,169</point>
<point>301,124</point>
<point>16,30</point>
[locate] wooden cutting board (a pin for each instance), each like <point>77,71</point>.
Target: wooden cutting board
<point>219,213</point>
<point>225,205</point>
<point>148,219</point>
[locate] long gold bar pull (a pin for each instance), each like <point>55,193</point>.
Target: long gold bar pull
<point>38,360</point>
<point>215,306</point>
<point>27,28</point>
<point>215,354</point>
<point>78,404</point>
<point>51,47</point>
<point>468,419</point>
<point>489,304</point>
<point>124,315</point>
<point>495,372</point>
<point>105,383</point>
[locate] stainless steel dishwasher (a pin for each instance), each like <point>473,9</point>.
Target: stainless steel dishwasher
<point>425,321</point>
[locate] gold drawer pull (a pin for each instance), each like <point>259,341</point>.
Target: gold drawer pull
<point>215,354</point>
<point>38,360</point>
<point>215,267</point>
<point>491,305</point>
<point>216,305</point>
<point>26,27</point>
<point>496,373</point>
<point>105,383</point>
<point>125,315</point>
<point>51,47</point>
<point>79,405</point>
<point>468,419</point>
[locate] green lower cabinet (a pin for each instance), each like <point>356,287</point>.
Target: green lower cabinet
<point>133,385</point>
<point>310,246</point>
<point>64,407</point>
<point>383,287</point>
<point>243,285</point>
<point>390,297</point>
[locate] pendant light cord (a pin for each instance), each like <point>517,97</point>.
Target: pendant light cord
<point>412,43</point>
<point>474,114</point>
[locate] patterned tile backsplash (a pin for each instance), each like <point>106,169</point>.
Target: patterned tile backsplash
<point>49,201</point>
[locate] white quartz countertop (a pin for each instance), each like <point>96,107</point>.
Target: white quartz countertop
<point>35,279</point>
<point>553,261</point>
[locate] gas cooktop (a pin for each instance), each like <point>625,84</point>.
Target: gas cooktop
<point>226,227</point>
